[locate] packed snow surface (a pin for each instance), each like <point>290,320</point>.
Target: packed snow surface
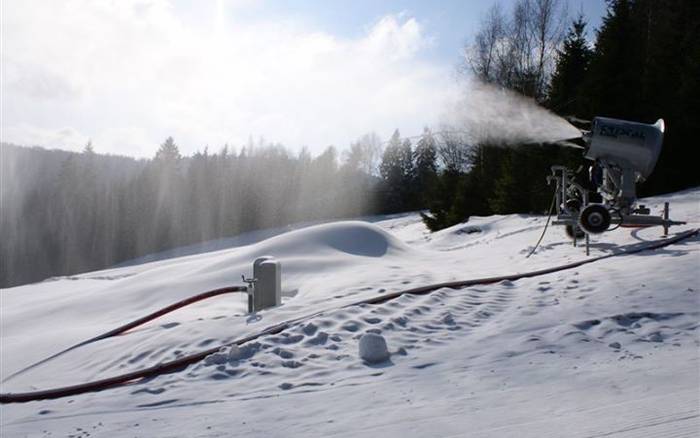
<point>607,349</point>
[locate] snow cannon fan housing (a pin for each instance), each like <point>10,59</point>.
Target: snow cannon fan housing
<point>623,153</point>
<point>626,144</point>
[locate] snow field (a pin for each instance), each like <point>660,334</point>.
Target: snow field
<point>607,349</point>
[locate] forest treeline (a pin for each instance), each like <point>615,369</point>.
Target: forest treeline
<point>65,212</point>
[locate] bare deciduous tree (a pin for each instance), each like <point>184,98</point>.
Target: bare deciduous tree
<point>517,52</point>
<point>483,54</point>
<point>364,154</point>
<point>547,29</point>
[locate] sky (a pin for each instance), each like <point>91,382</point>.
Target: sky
<point>126,74</point>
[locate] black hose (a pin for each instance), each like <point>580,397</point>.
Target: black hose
<point>549,217</point>
<point>619,214</point>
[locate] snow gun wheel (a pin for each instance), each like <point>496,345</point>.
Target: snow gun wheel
<point>594,219</point>
<point>579,234</point>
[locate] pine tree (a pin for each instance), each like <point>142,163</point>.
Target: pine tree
<point>426,168</point>
<point>166,184</point>
<point>388,169</point>
<point>408,170</point>
<point>614,80</point>
<point>168,152</point>
<point>397,172</point>
<point>508,190</point>
<point>89,149</point>
<point>566,89</point>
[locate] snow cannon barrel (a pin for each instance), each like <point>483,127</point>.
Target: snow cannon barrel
<point>268,285</point>
<point>637,145</point>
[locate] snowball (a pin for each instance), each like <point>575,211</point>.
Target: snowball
<point>234,353</point>
<point>373,348</point>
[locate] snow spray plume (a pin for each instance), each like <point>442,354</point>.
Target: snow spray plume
<point>486,114</point>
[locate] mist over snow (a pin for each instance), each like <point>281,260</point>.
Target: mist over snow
<point>128,74</point>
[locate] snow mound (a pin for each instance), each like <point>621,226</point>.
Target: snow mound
<point>350,237</point>
<point>373,348</point>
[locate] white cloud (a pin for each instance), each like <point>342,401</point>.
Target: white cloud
<point>129,73</point>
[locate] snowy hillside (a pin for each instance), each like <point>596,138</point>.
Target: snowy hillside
<point>607,349</point>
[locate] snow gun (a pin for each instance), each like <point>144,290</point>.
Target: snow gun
<point>623,153</point>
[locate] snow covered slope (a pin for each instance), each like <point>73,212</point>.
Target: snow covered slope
<point>607,349</point>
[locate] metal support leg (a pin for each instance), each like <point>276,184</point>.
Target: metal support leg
<point>250,292</point>
<point>588,241</point>
<point>666,216</point>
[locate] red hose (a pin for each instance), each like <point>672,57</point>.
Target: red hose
<point>182,362</point>
<point>168,309</point>
<point>98,385</point>
<point>128,326</point>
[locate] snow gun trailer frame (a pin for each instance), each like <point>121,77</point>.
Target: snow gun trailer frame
<point>623,153</point>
